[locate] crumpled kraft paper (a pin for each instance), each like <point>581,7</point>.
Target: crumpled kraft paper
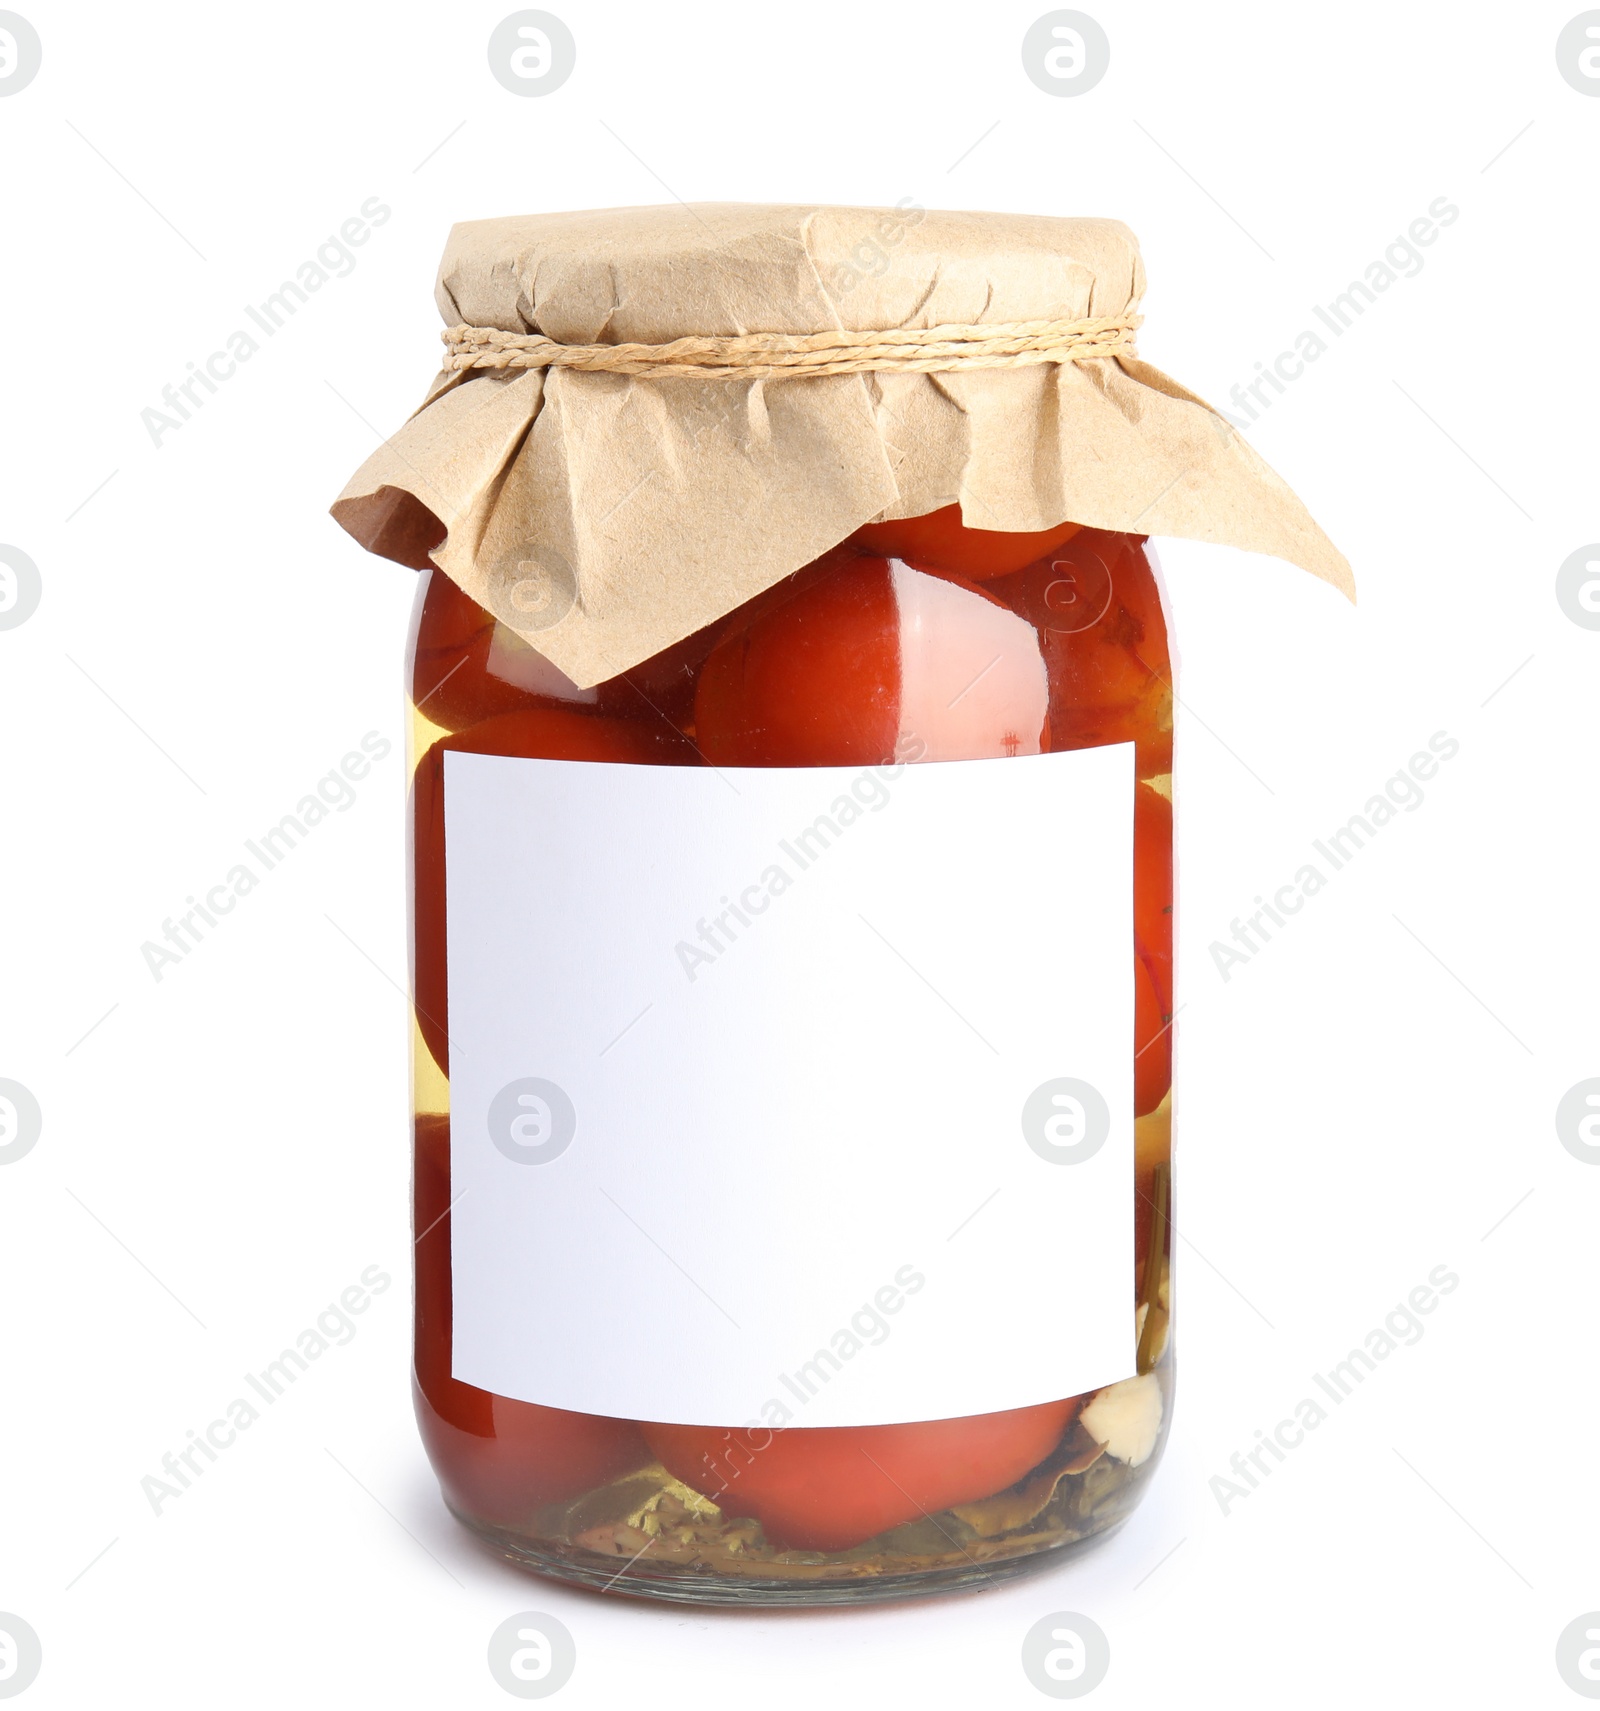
<point>605,517</point>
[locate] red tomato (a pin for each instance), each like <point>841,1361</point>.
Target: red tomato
<point>1152,939</point>
<point>537,734</point>
<point>827,1488</point>
<point>1152,884</point>
<point>938,541</point>
<point>1152,1043</point>
<point>663,685</point>
<point>530,1455</point>
<point>448,619</point>
<point>496,1458</point>
<point>856,661</point>
<point>469,667</point>
<point>807,675</point>
<point>1098,610</point>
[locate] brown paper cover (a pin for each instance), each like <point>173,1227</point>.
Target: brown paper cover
<point>636,511</point>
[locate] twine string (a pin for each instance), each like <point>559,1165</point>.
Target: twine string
<point>784,356</point>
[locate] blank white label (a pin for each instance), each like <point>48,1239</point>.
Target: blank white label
<point>740,1062</point>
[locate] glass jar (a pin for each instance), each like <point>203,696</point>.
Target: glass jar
<point>920,643</point>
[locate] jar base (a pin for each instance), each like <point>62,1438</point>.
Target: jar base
<point>826,1585</point>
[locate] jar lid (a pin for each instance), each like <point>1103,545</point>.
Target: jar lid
<point>809,370</point>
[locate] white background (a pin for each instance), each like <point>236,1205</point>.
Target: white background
<point>1370,1097</point>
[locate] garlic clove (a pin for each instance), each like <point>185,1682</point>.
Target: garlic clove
<point>1126,1418</point>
